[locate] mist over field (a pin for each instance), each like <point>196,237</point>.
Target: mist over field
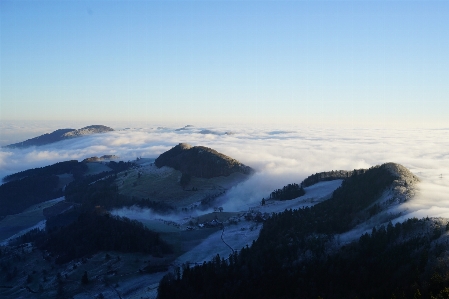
<point>280,155</point>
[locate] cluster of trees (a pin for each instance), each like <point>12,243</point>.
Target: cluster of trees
<point>209,200</point>
<point>18,195</point>
<point>93,232</point>
<point>185,179</point>
<point>101,190</point>
<point>329,176</point>
<point>119,166</point>
<point>64,218</point>
<point>85,227</point>
<point>96,190</point>
<point>387,263</point>
<point>352,198</point>
<point>72,166</point>
<point>297,255</point>
<point>200,161</point>
<point>26,188</point>
<point>288,192</point>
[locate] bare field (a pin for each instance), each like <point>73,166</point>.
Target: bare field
<point>163,185</point>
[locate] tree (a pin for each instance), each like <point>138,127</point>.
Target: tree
<point>84,278</point>
<point>185,179</point>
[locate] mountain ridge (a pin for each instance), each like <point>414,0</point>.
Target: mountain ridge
<point>403,188</point>
<point>59,135</point>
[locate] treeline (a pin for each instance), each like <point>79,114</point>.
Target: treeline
<point>119,166</point>
<point>93,232</point>
<point>295,255</point>
<point>387,263</point>
<point>349,202</point>
<point>16,196</point>
<point>329,176</point>
<point>288,192</point>
<point>101,190</point>
<point>95,190</point>
<point>310,229</point>
<point>73,166</point>
<point>26,188</point>
<point>83,227</point>
<point>317,224</point>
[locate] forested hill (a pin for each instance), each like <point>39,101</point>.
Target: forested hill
<point>60,134</point>
<point>92,232</point>
<point>26,188</point>
<point>72,166</point>
<point>200,161</point>
<point>33,186</point>
<point>297,254</point>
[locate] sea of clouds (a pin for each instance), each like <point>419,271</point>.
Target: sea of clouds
<point>280,155</point>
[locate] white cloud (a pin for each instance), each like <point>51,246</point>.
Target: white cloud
<point>286,156</point>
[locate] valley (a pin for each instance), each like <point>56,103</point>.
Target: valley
<point>197,221</point>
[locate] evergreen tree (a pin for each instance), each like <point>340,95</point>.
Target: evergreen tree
<point>84,278</point>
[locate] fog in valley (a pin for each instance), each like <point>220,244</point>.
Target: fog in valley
<point>280,155</point>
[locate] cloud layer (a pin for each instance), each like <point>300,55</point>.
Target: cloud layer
<point>280,155</point>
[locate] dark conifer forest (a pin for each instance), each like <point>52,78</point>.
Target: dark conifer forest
<point>33,186</point>
<point>72,166</point>
<point>288,192</point>
<point>86,227</point>
<point>101,190</point>
<point>111,233</point>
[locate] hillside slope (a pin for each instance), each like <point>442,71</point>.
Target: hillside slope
<point>60,134</point>
<point>298,253</point>
<point>200,161</point>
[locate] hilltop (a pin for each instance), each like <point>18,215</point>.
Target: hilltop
<point>200,161</point>
<point>60,134</point>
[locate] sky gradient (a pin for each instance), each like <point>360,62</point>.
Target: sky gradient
<point>351,63</point>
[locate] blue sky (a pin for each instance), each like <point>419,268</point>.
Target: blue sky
<point>356,63</point>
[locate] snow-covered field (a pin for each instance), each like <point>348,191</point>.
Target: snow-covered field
<point>314,194</point>
<point>238,235</point>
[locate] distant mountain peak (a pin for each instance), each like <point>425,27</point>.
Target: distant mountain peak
<point>61,134</point>
<point>94,129</point>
